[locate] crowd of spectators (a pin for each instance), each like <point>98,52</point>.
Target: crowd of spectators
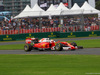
<point>47,23</point>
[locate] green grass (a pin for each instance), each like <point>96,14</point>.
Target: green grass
<point>85,43</point>
<point>12,47</point>
<point>49,64</point>
<point>94,43</point>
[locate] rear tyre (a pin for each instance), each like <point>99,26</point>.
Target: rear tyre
<point>74,44</point>
<point>27,47</point>
<point>58,47</point>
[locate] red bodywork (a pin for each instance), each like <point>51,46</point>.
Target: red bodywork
<point>49,45</point>
<point>44,45</point>
<point>69,45</point>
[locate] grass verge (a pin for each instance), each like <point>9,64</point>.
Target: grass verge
<point>12,47</point>
<point>94,43</point>
<point>49,64</point>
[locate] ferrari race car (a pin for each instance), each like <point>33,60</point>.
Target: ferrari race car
<point>49,44</point>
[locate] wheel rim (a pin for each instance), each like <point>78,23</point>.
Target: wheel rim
<point>25,47</point>
<point>57,46</point>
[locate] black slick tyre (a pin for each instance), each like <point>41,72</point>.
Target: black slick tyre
<point>27,47</point>
<point>58,47</point>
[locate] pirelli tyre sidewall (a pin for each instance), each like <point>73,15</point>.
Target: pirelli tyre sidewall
<point>58,47</point>
<point>27,47</point>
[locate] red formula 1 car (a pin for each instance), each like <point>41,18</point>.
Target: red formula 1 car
<point>47,44</point>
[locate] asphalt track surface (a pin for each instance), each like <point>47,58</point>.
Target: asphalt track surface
<point>64,39</point>
<point>85,51</point>
<point>89,51</point>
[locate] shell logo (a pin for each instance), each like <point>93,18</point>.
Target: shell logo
<point>43,45</point>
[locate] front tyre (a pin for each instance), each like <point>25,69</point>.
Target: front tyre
<point>58,47</point>
<point>27,47</point>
